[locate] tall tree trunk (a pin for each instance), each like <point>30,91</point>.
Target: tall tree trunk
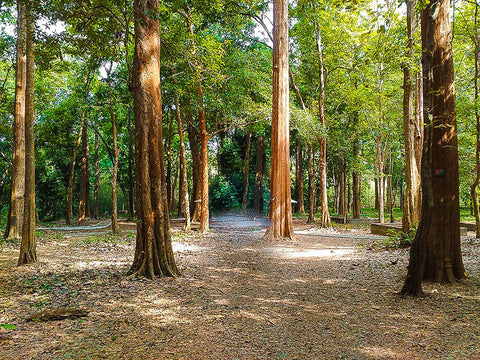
<point>376,193</point>
<point>390,204</point>
<point>71,177</point>
<point>341,185</point>
<point>169,160</point>
<point>17,198</point>
<point>245,169</point>
<point>183,194</point>
<point>259,170</point>
<point>153,250</point>
<point>195,204</point>
<point>84,177</point>
<point>96,185</point>
<point>411,213</point>
<point>356,177</point>
<point>28,247</point>
<point>131,159</point>
<point>202,125</point>
<point>312,189</point>
<point>280,213</point>
<point>436,253</point>
<point>476,181</point>
<point>115,227</point>
<point>322,163</point>
<point>299,179</point>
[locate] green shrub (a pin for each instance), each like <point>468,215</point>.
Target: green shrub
<point>399,239</point>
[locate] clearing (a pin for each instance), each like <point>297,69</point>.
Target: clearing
<point>329,294</point>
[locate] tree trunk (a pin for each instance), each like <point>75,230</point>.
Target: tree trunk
<point>195,202</point>
<point>341,185</point>
<point>312,189</point>
<point>84,176</point>
<point>15,218</point>
<point>299,179</point>
<point>476,181</point>
<point>356,177</point>
<point>436,253</point>
<point>153,250</point>
<point>411,213</point>
<point>115,227</point>
<point>322,163</point>
<point>390,204</point>
<point>96,185</point>
<point>245,170</point>
<point>259,170</point>
<point>69,214</point>
<point>183,194</point>
<point>131,159</point>
<point>169,161</point>
<point>280,212</point>
<point>28,247</point>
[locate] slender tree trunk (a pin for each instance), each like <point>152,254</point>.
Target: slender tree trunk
<point>169,160</point>
<point>28,247</point>
<point>245,169</point>
<point>195,204</point>
<point>96,185</point>
<point>312,189</point>
<point>173,200</point>
<point>153,250</point>
<point>183,194</point>
<point>436,253</point>
<point>411,213</point>
<point>299,179</point>
<point>356,177</point>
<point>115,227</point>
<point>259,170</point>
<point>69,214</point>
<point>380,170</point>
<point>131,159</point>
<point>16,210</point>
<point>324,213</point>
<point>390,189</point>
<point>280,213</point>
<point>84,176</point>
<point>341,185</point>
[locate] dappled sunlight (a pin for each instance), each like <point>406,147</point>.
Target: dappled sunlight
<point>381,352</point>
<point>292,253</point>
<point>182,247</point>
<point>98,264</point>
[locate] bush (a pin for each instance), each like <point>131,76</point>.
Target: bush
<point>222,194</point>
<point>399,239</point>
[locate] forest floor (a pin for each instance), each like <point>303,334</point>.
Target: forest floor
<point>328,294</point>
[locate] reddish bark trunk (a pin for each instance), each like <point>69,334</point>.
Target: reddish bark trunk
<point>312,189</point>
<point>245,170</point>
<point>259,170</point>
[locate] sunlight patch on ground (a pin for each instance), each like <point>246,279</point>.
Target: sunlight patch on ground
<point>291,253</point>
<point>377,352</point>
<point>97,264</point>
<point>180,247</point>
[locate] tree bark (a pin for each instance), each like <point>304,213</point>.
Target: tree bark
<point>96,185</point>
<point>153,250</point>
<point>280,213</point>
<point>183,194</point>
<point>84,176</point>
<point>17,198</point>
<point>412,205</point>
<point>341,186</point>
<point>169,161</point>
<point>356,177</point>
<point>131,159</point>
<point>476,181</point>
<point>115,227</point>
<point>312,189</point>
<point>195,202</point>
<point>299,179</point>
<point>259,170</point>
<point>69,214</point>
<point>245,170</point>
<point>436,253</point>
<point>390,204</point>
<point>28,246</point>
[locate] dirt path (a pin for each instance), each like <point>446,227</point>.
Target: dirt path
<point>318,297</point>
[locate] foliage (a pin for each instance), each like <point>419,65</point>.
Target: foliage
<point>398,239</point>
<point>222,194</point>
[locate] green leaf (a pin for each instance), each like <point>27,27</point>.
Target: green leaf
<point>8,326</point>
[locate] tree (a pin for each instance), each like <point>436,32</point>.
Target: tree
<point>153,251</point>
<point>280,211</point>
<point>15,216</point>
<point>28,251</point>
<point>412,121</point>
<point>436,253</point>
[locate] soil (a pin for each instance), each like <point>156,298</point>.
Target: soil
<point>328,294</point>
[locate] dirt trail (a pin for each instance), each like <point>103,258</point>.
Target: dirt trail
<point>312,298</point>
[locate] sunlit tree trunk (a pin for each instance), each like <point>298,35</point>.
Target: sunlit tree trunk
<point>17,198</point>
<point>411,126</point>
<point>153,250</point>
<point>476,181</point>
<point>71,177</point>
<point>115,227</point>
<point>131,170</point>
<point>342,208</point>
<point>436,253</point>
<point>195,202</point>
<point>280,212</point>
<point>245,170</point>
<point>390,204</point>
<point>28,246</point>
<point>356,178</point>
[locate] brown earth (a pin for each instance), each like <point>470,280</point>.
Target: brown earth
<point>329,294</point>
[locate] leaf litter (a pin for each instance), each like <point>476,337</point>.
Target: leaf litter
<point>314,297</point>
